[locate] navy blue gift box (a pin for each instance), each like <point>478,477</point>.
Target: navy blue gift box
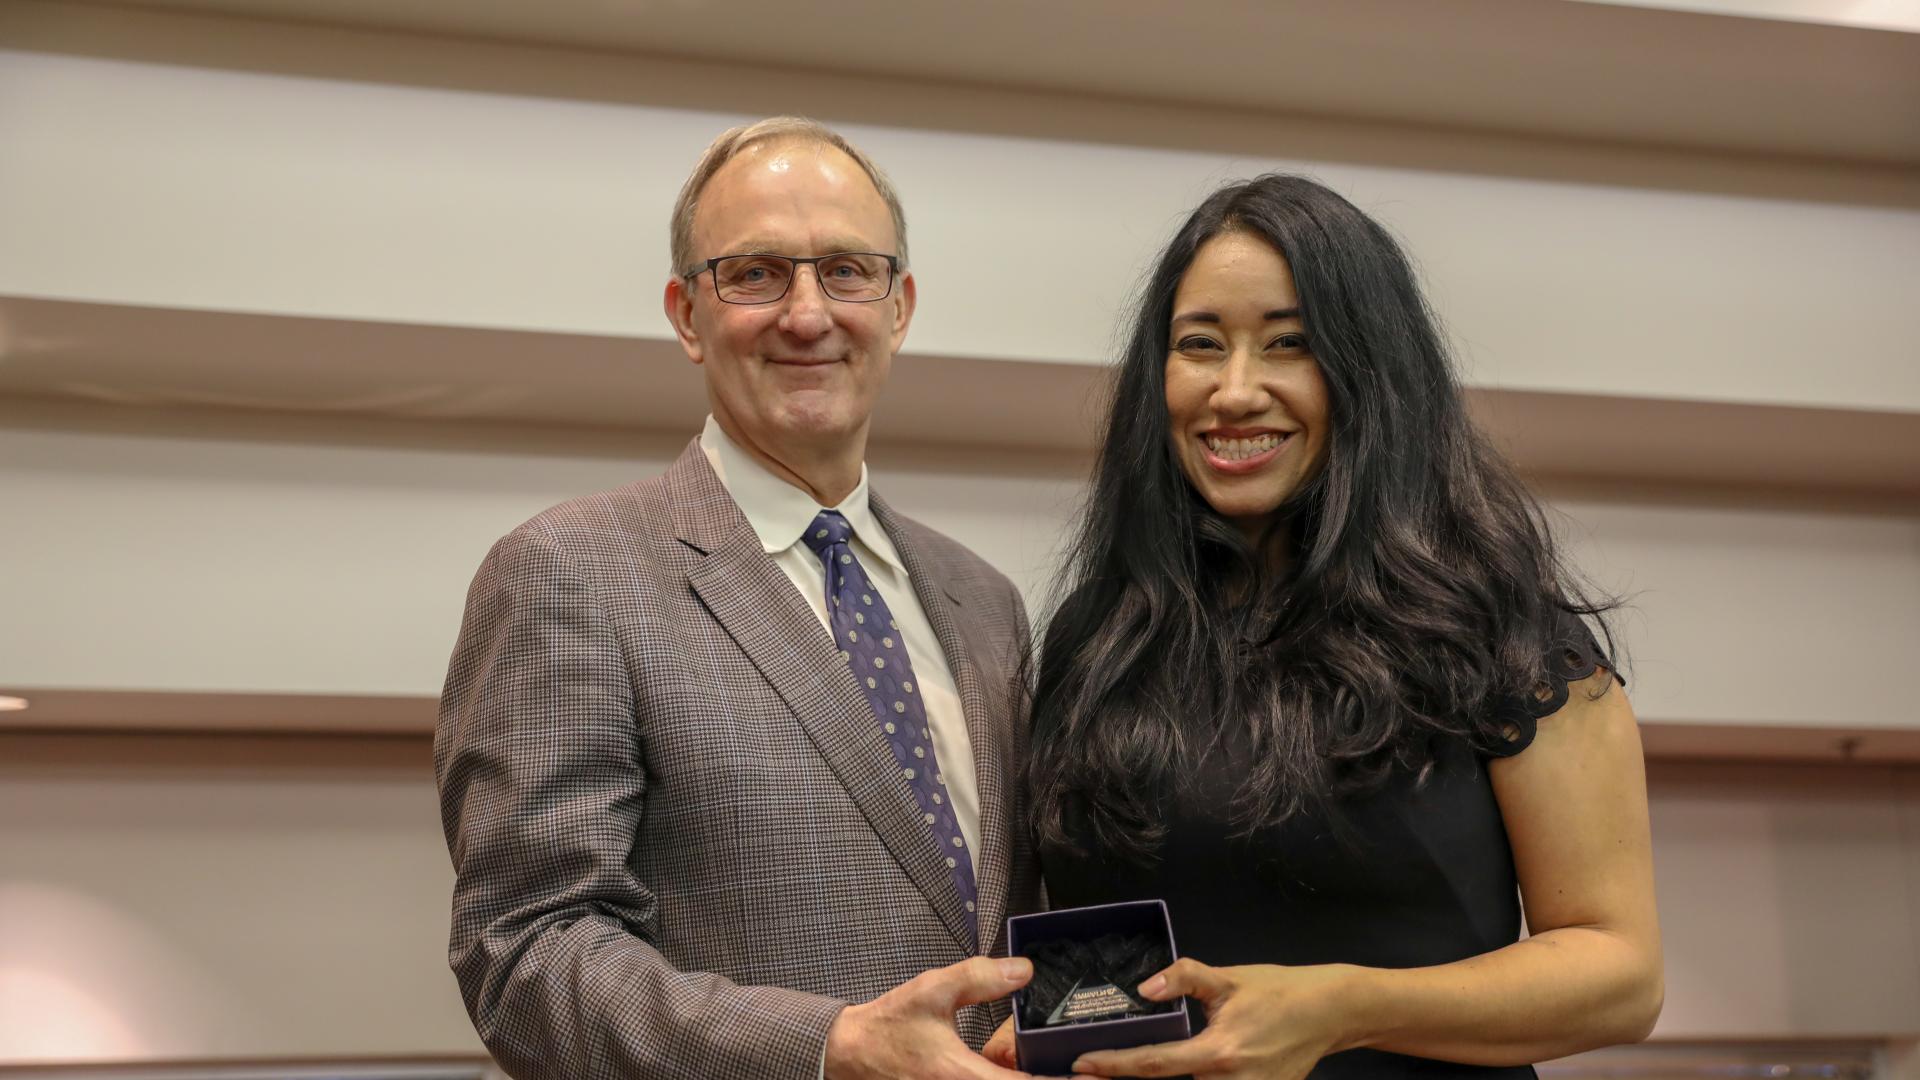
<point>1052,1051</point>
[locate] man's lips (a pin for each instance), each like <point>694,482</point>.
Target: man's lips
<point>804,361</point>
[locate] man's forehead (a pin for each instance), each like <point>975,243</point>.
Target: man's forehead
<point>769,191</point>
<point>826,242</point>
<point>785,154</point>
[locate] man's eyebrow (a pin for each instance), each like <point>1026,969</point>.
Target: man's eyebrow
<point>761,246</point>
<point>755,247</point>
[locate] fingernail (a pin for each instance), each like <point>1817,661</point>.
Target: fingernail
<point>1154,985</point>
<point>1013,968</point>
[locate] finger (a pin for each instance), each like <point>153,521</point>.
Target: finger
<point>1195,1055</point>
<point>1189,977</point>
<point>1000,1049</point>
<point>970,982</point>
<point>975,1067</point>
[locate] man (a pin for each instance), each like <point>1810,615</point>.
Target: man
<point>728,758</point>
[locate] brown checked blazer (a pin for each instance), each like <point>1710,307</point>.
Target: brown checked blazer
<point>680,839</point>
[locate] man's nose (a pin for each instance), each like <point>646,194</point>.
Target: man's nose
<point>805,314</point>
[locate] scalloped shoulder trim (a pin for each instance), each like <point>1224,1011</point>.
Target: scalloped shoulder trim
<point>1568,661</point>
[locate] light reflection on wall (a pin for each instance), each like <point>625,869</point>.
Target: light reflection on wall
<point>81,980</point>
<point>45,1016</point>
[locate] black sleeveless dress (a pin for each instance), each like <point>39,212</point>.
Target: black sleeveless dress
<point>1416,874</point>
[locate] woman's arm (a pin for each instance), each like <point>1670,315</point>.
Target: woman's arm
<point>1575,805</point>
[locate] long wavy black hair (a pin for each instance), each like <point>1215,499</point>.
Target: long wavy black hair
<point>1422,585</point>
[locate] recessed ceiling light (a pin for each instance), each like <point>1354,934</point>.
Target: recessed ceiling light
<point>12,704</point>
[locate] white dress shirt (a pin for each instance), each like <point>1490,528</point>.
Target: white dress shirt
<point>780,514</point>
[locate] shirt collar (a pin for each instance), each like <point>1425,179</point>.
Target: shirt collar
<point>778,511</point>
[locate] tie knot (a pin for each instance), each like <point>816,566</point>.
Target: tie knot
<point>828,529</point>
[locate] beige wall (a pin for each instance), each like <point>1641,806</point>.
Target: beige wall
<point>199,559</point>
<point>1789,899</point>
<point>167,901</point>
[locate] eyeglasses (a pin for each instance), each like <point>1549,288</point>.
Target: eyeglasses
<point>856,277</point>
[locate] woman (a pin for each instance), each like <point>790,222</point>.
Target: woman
<point>1321,682</point>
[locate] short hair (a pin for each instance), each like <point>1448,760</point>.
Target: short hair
<point>773,129</point>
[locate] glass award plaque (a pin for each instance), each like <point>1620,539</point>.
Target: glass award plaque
<point>1087,966</point>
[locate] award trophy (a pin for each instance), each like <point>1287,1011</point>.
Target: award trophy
<point>1087,963</point>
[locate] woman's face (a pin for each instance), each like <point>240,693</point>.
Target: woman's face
<point>1245,398</point>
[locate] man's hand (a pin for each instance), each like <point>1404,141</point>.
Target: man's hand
<point>908,1034</point>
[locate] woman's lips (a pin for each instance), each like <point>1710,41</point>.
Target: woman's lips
<point>1239,465</point>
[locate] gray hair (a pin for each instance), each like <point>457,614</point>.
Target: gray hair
<point>777,128</point>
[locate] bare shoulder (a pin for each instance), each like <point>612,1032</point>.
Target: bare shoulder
<point>1596,723</point>
<point>1574,804</point>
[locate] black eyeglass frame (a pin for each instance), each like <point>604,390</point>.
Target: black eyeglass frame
<point>796,261</point>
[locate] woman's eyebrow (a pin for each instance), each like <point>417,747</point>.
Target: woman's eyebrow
<point>1276,315</point>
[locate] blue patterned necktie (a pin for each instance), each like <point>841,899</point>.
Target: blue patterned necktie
<point>870,642</point>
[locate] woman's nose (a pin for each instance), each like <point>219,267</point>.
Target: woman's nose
<point>1240,391</point>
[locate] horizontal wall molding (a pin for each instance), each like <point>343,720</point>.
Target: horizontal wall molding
<point>224,716</point>
<point>419,1067</point>
<point>1700,78</point>
<point>157,360</point>
<point>136,711</point>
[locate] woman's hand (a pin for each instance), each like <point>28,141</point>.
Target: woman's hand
<point>1263,1020</point>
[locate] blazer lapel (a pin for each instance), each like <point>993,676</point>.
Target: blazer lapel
<point>993,863</point>
<point>755,602</point>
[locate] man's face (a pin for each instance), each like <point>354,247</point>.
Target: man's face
<point>799,375</point>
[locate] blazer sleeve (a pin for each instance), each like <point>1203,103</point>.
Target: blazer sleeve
<point>542,788</point>
<point>1027,887</point>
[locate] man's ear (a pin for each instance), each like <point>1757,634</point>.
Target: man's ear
<point>906,295</point>
<point>678,301</point>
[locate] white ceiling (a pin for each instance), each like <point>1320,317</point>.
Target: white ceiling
<point>1873,14</point>
<point>1794,77</point>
